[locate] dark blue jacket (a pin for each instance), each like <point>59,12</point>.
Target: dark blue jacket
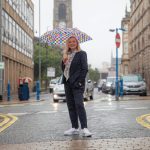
<point>78,69</point>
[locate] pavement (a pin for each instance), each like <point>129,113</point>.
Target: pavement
<point>80,144</point>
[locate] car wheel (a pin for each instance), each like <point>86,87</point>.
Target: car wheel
<point>55,100</point>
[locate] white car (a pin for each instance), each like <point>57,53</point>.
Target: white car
<point>89,90</point>
<point>52,84</point>
<point>59,91</point>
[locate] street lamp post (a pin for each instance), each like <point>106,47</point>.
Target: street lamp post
<point>1,71</point>
<point>117,46</point>
<point>38,84</point>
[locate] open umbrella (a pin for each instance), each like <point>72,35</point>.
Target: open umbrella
<point>27,79</point>
<point>58,36</point>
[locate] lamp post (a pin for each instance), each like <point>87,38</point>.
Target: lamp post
<point>38,84</point>
<point>1,71</point>
<point>117,38</point>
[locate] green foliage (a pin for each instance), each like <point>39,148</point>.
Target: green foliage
<point>50,57</point>
<point>94,74</point>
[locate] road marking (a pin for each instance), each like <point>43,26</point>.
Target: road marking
<point>107,109</point>
<point>144,120</point>
<point>18,105</point>
<point>8,121</point>
<point>18,114</point>
<point>137,108</point>
<point>46,112</point>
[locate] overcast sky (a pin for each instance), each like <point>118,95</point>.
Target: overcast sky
<point>95,17</point>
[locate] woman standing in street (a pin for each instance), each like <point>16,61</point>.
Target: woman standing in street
<point>75,68</point>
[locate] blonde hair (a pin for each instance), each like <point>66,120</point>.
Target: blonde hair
<point>78,45</point>
<point>67,49</point>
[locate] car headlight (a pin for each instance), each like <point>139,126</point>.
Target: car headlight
<point>143,84</point>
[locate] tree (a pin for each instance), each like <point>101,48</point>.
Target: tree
<point>50,57</point>
<point>94,74</point>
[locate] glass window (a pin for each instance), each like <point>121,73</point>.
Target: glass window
<point>125,46</point>
<point>62,12</point>
<point>126,69</point>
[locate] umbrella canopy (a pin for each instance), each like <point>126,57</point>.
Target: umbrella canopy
<point>58,36</point>
<point>27,79</point>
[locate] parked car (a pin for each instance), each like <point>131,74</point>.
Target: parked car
<point>52,83</point>
<point>100,84</point>
<point>107,85</point>
<point>113,87</point>
<point>89,90</point>
<point>134,84</point>
<point>59,91</point>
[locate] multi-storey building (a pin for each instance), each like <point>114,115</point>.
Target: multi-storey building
<point>17,41</point>
<point>125,42</point>
<point>62,14</point>
<point>140,38</point>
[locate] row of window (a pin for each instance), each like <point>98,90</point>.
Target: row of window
<point>15,36</point>
<point>139,12</point>
<point>23,9</point>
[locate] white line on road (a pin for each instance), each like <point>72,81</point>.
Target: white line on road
<point>46,112</point>
<point>137,108</point>
<point>18,114</point>
<point>104,109</point>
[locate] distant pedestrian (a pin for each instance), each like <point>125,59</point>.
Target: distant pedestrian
<point>75,68</point>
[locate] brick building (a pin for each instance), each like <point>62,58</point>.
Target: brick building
<point>125,24</point>
<point>139,40</point>
<point>17,41</point>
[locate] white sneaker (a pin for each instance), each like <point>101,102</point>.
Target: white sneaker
<point>71,131</point>
<point>86,133</point>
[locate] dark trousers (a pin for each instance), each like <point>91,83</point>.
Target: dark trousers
<point>74,97</point>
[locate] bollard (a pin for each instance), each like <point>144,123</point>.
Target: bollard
<point>8,91</point>
<point>121,87</point>
<point>37,90</point>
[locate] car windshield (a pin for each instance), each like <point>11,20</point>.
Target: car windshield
<point>53,81</point>
<point>110,79</point>
<point>60,80</point>
<point>132,78</point>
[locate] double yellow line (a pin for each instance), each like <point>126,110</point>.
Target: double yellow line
<point>144,120</point>
<point>8,120</point>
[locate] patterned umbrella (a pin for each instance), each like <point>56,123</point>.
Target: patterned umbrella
<point>59,36</point>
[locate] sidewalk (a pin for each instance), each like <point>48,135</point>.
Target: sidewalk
<point>15,100</point>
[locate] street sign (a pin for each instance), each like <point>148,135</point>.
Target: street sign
<point>117,40</point>
<point>1,65</point>
<point>50,72</point>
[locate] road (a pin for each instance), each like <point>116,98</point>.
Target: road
<point>107,119</point>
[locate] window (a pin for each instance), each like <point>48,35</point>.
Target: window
<point>62,12</point>
<point>126,69</point>
<point>125,47</point>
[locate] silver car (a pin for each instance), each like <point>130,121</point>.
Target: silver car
<point>59,91</point>
<point>134,84</point>
<point>107,85</point>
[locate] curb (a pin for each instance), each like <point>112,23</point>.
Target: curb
<point>20,102</point>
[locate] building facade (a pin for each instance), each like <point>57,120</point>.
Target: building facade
<point>125,24</point>
<point>140,38</point>
<point>62,14</point>
<point>17,41</point>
